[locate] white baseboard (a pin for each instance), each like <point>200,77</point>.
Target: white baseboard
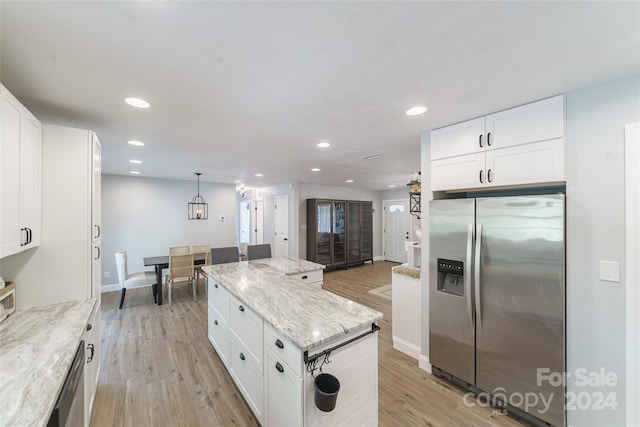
<point>378,258</point>
<point>406,347</point>
<point>424,363</point>
<point>110,288</point>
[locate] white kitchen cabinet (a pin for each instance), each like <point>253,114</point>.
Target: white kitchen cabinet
<point>283,392</point>
<point>519,146</point>
<point>312,278</point>
<point>247,375</point>
<point>92,355</point>
<point>246,326</point>
<point>20,176</point>
<point>66,266</point>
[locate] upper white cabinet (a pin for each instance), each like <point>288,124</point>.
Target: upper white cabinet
<point>20,173</point>
<point>523,145</point>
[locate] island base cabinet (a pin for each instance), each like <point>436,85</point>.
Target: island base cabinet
<point>356,367</point>
<point>92,367</point>
<point>283,392</point>
<point>219,335</point>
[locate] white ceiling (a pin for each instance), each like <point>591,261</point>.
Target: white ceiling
<point>244,87</point>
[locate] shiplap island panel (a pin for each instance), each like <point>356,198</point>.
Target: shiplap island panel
<point>269,326</point>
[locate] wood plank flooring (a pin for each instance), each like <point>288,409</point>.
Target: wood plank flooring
<point>159,369</point>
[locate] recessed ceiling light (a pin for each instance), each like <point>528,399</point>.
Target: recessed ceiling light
<point>371,156</point>
<point>137,162</point>
<point>323,144</point>
<point>315,170</point>
<point>137,102</point>
<point>349,180</point>
<point>134,172</point>
<point>391,186</point>
<point>415,111</point>
<point>257,174</point>
<point>237,181</point>
<point>136,143</point>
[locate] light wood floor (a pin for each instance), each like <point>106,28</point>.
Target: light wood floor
<point>159,369</point>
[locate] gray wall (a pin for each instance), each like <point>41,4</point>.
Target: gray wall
<point>311,191</point>
<point>144,216</point>
<point>595,231</point>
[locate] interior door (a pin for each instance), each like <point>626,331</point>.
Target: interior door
<point>257,222</point>
<point>397,229</point>
<point>281,226</point>
<point>244,212</point>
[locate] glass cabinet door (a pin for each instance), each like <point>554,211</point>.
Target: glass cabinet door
<point>323,237</point>
<point>339,255</point>
<point>366,228</point>
<point>353,219</point>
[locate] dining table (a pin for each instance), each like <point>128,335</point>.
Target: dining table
<point>162,262</point>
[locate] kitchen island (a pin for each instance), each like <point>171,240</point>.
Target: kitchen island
<point>275,333</point>
<point>37,346</point>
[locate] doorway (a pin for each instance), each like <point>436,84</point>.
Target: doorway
<point>281,226</point>
<point>397,229</point>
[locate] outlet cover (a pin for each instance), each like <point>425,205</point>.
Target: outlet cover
<point>107,275</point>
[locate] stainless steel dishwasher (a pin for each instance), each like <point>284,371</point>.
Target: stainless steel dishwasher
<point>69,408</point>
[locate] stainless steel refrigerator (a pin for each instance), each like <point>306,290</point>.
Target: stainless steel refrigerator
<point>497,298</point>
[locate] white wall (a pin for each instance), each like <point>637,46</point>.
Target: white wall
<point>311,191</point>
<point>595,231</point>
<point>144,216</point>
<point>268,195</point>
<point>426,196</point>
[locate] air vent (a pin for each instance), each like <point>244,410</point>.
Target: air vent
<point>371,156</point>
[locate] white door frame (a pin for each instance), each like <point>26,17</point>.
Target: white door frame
<point>632,202</point>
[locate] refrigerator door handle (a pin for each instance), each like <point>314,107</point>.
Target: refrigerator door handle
<point>476,280</point>
<point>467,273</point>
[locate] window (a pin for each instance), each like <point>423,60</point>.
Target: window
<point>396,208</point>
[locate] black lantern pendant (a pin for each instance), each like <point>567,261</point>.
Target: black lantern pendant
<point>198,208</point>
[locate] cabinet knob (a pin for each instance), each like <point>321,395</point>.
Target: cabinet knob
<point>279,344</point>
<point>89,326</point>
<point>215,322</point>
<point>279,367</point>
<point>215,286</point>
<point>242,356</point>
<point>241,308</point>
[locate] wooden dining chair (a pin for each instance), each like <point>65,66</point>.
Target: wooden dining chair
<point>258,251</point>
<point>201,249</point>
<point>179,250</point>
<point>224,255</point>
<point>181,270</point>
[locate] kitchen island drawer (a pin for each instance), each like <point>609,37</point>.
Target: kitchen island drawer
<point>283,348</point>
<point>310,277</point>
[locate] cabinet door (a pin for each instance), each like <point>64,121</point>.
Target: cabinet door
<point>96,188</point>
<point>354,242</point>
<point>92,354</point>
<point>456,173</point>
<point>30,179</point>
<point>96,267</point>
<point>538,121</point>
<point>323,232</point>
<point>11,237</point>
<point>366,225</point>
<point>247,327</point>
<point>540,162</point>
<point>283,393</point>
<point>339,254</point>
<point>459,139</point>
<point>219,335</point>
<point>247,377</point>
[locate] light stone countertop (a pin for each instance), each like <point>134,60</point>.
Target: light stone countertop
<point>37,346</point>
<point>306,315</point>
<point>406,271</point>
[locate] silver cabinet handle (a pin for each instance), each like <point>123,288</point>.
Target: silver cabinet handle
<point>477,295</point>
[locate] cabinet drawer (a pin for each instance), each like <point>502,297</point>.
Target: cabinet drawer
<point>284,349</point>
<point>314,277</point>
<point>246,326</point>
<point>247,377</point>
<point>218,335</point>
<point>219,298</point>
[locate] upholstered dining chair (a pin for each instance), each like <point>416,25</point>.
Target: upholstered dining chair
<point>258,251</point>
<point>179,250</point>
<point>201,249</point>
<point>181,270</point>
<point>134,280</point>
<point>224,255</point>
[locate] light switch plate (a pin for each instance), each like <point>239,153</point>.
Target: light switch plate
<point>610,271</point>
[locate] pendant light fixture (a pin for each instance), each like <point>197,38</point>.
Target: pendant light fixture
<point>198,208</point>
